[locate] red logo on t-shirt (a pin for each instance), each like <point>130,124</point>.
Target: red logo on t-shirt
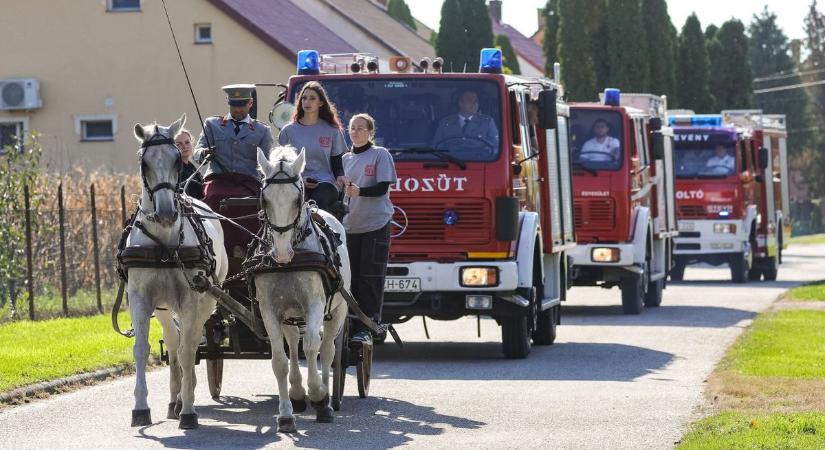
<point>369,170</point>
<point>325,141</point>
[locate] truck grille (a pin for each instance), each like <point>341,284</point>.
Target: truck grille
<point>426,222</point>
<point>595,214</point>
<point>691,212</point>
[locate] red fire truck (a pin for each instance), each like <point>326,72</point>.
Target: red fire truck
<point>732,192</point>
<point>483,212</point>
<point>624,196</point>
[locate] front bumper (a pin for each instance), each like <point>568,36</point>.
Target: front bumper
<point>697,237</point>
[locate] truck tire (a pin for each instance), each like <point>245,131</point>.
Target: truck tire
<point>739,270</point>
<point>677,272</point>
<point>755,272</point>
<point>770,268</point>
<point>653,296</point>
<point>515,336</point>
<point>545,332</point>
<point>633,293</point>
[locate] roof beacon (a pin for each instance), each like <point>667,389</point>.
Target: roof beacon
<point>612,97</point>
<point>308,62</point>
<point>490,60</point>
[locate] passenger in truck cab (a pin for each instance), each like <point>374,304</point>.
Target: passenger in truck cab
<point>475,128</point>
<point>601,142</point>
<point>721,158</point>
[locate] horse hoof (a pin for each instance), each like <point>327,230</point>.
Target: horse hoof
<point>173,411</point>
<point>321,404</point>
<point>286,425</point>
<point>298,406</point>
<point>141,418</point>
<point>188,421</point>
<point>324,415</point>
<point>178,408</point>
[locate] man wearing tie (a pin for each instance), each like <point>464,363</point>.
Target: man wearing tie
<point>468,123</point>
<point>232,141</point>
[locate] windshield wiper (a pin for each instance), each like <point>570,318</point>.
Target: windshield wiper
<point>578,165</point>
<point>431,151</point>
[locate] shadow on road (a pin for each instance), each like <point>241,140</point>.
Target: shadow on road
<point>483,361</point>
<point>373,422</point>
<point>664,316</point>
<point>688,282</point>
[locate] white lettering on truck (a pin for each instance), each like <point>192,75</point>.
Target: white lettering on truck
<point>442,183</point>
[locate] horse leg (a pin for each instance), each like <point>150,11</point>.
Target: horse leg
<point>141,311</point>
<point>331,330</point>
<point>191,329</point>
<point>297,394</point>
<point>280,367</point>
<point>312,345</point>
<point>172,340</point>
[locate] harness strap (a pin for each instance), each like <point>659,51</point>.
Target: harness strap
<point>130,333</point>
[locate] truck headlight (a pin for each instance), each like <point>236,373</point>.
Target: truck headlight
<point>605,254</point>
<point>724,228</point>
<point>479,276</point>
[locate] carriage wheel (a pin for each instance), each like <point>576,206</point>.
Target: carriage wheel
<point>214,375</point>
<point>363,369</point>
<point>339,367</point>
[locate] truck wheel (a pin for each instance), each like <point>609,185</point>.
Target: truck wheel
<point>770,269</point>
<point>515,336</point>
<point>653,296</point>
<point>755,272</point>
<point>739,270</point>
<point>633,293</point>
<point>545,332</point>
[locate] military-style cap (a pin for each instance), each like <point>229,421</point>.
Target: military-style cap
<point>238,94</point>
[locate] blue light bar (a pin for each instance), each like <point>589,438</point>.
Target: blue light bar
<point>612,97</point>
<point>706,120</point>
<point>490,61</point>
<point>308,62</point>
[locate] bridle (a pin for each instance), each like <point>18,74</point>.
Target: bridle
<point>296,181</point>
<point>153,142</point>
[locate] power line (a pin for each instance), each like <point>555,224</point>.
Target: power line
<point>788,87</point>
<point>781,76</point>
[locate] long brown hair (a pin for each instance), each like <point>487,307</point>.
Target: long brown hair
<point>328,112</point>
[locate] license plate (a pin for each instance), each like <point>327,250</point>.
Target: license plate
<point>402,285</point>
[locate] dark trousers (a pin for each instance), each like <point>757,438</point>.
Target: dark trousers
<point>324,195</point>
<point>368,255</point>
<point>229,185</point>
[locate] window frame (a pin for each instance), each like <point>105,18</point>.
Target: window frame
<point>198,39</point>
<point>23,133</point>
<point>80,127</point>
<point>110,7</point>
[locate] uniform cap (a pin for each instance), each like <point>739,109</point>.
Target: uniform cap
<point>238,94</point>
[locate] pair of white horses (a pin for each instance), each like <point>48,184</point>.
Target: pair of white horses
<point>281,295</point>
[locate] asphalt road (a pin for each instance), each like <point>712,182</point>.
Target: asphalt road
<point>610,382</point>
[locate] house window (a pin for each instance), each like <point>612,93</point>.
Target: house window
<point>203,33</point>
<point>96,128</point>
<point>123,5</point>
<point>12,134</point>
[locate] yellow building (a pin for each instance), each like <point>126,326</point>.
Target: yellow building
<point>82,72</point>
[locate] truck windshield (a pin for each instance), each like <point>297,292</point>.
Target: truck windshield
<point>424,119</point>
<point>714,161</point>
<point>596,139</point>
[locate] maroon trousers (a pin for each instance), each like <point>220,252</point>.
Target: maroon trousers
<point>218,186</point>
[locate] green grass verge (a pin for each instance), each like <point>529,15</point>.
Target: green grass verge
<point>31,352</point>
<point>809,239</point>
<point>788,343</point>
<point>807,293</point>
<point>738,430</point>
<point>50,304</point>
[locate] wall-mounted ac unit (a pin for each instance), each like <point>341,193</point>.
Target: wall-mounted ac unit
<point>20,93</point>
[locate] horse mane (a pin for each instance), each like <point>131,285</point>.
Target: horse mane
<point>286,153</point>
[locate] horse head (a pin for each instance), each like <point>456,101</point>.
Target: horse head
<point>282,198</point>
<point>160,164</point>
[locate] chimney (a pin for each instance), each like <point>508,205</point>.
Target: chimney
<point>542,19</point>
<point>495,10</point>
<point>796,51</point>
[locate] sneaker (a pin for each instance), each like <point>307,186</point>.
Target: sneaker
<point>362,337</point>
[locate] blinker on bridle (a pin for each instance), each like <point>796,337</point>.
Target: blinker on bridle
<point>289,179</point>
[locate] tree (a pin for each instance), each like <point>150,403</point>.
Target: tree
<point>714,49</point>
<point>575,51</point>
<point>730,67</point>
<point>508,55</point>
<point>692,89</point>
<point>549,42</point>
<point>660,45</point>
<point>627,54</point>
<point>597,29</point>
<point>813,159</point>
<point>464,30</point>
<point>399,11</point>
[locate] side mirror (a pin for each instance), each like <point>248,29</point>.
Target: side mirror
<point>657,140</point>
<point>763,158</point>
<point>547,110</point>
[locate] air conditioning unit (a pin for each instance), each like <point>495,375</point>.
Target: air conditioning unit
<point>20,93</point>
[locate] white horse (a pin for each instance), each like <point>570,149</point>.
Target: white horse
<point>185,310</point>
<point>286,295</point>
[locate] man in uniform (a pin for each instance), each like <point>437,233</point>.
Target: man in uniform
<point>231,142</point>
<point>467,123</point>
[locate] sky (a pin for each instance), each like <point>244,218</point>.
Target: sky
<point>522,13</point>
